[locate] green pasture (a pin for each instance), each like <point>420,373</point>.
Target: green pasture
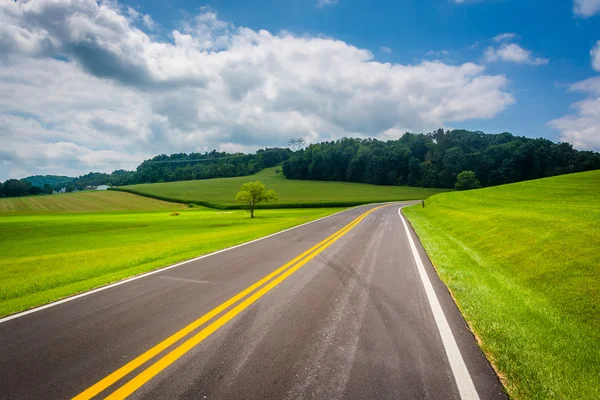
<point>82,202</point>
<point>220,193</point>
<point>523,263</point>
<point>45,257</point>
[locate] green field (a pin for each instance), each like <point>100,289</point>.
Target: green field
<point>219,193</point>
<point>49,256</point>
<point>523,263</point>
<point>89,201</point>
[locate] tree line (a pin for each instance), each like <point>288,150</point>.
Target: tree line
<point>161,168</point>
<point>427,160</point>
<point>435,159</point>
<point>22,187</point>
<point>214,164</point>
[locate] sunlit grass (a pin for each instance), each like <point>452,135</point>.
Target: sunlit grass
<point>88,201</point>
<point>221,192</point>
<point>523,262</point>
<point>47,257</point>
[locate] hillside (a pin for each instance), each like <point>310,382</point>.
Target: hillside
<point>83,202</point>
<point>220,193</point>
<point>523,263</point>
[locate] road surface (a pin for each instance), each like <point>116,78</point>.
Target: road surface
<point>347,307</point>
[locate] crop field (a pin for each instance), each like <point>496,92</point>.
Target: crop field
<point>220,193</point>
<point>49,256</point>
<point>523,263</point>
<point>89,201</point>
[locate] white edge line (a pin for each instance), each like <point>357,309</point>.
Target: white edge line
<point>156,271</point>
<point>465,385</point>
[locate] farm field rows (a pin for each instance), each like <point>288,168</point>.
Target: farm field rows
<point>221,192</point>
<point>82,202</point>
<point>49,256</point>
<point>523,263</point>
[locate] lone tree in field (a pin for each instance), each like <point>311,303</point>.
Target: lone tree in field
<point>467,180</point>
<point>253,193</point>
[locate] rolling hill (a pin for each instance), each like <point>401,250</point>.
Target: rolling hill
<point>523,263</point>
<point>220,193</point>
<point>83,202</point>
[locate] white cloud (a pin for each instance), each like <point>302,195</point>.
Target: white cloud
<point>586,8</point>
<point>386,50</point>
<point>148,22</point>
<point>323,3</point>
<point>591,85</point>
<point>595,53</point>
<point>122,95</point>
<point>582,127</point>
<point>504,36</point>
<point>512,52</point>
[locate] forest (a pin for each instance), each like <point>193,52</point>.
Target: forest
<point>425,160</point>
<point>435,159</point>
<point>161,168</point>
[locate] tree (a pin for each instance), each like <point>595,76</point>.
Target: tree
<point>467,180</point>
<point>253,193</point>
<point>35,190</point>
<point>16,188</point>
<point>48,189</point>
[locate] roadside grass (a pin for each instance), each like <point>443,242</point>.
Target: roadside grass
<point>80,202</point>
<point>220,193</point>
<point>523,263</point>
<point>47,257</point>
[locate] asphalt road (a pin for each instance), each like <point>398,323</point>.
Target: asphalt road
<point>352,319</point>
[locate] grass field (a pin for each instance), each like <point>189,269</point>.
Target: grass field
<point>45,256</point>
<point>523,263</point>
<point>219,193</point>
<point>89,201</point>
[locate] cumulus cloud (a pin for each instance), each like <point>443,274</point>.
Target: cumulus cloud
<point>591,86</point>
<point>85,88</point>
<point>582,127</point>
<point>595,53</point>
<point>512,52</point>
<point>586,8</point>
<point>386,50</point>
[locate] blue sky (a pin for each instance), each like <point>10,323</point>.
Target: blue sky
<point>102,85</point>
<point>413,28</point>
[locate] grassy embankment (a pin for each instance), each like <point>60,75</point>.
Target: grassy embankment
<point>523,263</point>
<point>219,193</point>
<point>55,246</point>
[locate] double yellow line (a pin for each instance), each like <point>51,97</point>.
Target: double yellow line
<point>280,275</point>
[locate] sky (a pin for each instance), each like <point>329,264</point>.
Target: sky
<point>90,85</point>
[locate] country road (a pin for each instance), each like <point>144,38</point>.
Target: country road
<point>347,307</point>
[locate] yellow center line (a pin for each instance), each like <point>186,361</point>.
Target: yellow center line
<point>147,374</point>
<point>186,346</point>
